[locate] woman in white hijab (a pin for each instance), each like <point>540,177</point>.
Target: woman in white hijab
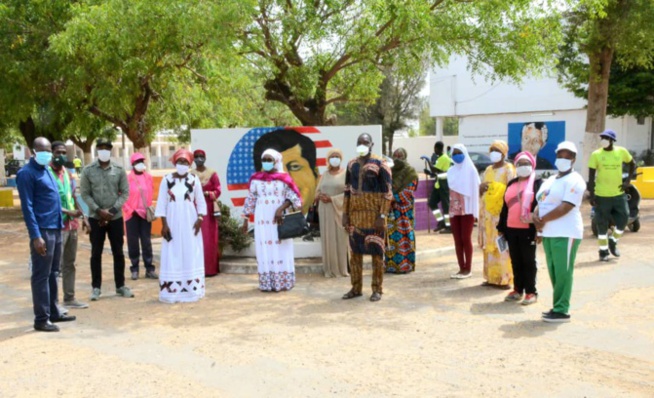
<point>463,180</point>
<point>271,192</point>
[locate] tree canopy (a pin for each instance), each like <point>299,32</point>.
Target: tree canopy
<point>313,54</point>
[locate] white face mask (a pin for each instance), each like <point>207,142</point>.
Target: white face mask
<point>140,167</point>
<point>563,164</point>
<point>495,156</point>
<point>524,171</point>
<point>335,162</point>
<point>363,150</point>
<point>605,143</point>
<point>104,155</point>
<point>182,169</point>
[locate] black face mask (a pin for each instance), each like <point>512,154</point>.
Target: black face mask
<point>60,160</point>
<point>199,162</point>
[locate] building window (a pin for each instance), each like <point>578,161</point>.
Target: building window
<point>640,120</point>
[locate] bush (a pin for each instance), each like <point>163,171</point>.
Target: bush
<point>231,232</point>
<point>646,158</point>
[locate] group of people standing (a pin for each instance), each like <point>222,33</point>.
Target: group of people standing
<point>366,207</point>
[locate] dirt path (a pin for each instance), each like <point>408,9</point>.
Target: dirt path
<point>429,336</point>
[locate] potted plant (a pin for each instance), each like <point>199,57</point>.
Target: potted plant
<point>231,232</point>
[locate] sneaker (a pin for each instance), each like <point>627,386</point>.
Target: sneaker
<point>62,310</point>
<point>465,276</point>
<point>151,275</point>
<point>530,299</point>
<point>547,313</point>
<point>513,296</point>
<point>95,295</point>
<point>556,317</point>
<point>125,292</point>
<point>75,304</point>
<point>604,255</point>
<point>135,275</point>
<point>613,248</point>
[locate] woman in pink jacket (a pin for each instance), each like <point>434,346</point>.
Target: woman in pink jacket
<point>138,228</point>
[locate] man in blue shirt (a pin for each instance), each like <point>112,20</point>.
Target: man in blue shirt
<point>41,205</point>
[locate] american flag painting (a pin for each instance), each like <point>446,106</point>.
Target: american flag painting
<point>241,164</point>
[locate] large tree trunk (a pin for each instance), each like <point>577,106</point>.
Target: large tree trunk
<point>85,146</point>
<point>3,179</point>
<point>598,95</point>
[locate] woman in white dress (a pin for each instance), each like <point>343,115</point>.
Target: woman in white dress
<point>271,192</point>
<point>181,206</point>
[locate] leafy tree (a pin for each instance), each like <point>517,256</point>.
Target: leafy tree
<point>631,90</point>
<point>141,65</point>
<point>427,123</point>
<point>30,85</point>
<point>398,103</point>
<point>599,32</point>
<point>313,54</point>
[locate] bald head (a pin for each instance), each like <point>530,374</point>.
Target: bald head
<point>364,139</point>
<point>41,144</point>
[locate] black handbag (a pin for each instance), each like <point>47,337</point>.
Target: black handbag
<point>312,216</point>
<point>294,225</point>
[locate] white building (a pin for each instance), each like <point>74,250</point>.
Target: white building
<point>500,110</point>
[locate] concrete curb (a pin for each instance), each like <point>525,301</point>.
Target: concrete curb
<point>248,265</point>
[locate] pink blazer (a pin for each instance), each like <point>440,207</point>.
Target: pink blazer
<point>135,201</point>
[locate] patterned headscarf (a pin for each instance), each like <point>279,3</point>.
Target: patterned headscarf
<point>403,173</point>
<point>278,174</point>
<point>501,146</point>
<point>182,154</point>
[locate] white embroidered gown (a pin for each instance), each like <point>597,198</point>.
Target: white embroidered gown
<point>181,274</point>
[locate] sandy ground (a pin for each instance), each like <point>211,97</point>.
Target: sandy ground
<point>429,336</point>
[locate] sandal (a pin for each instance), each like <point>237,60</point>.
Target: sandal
<point>350,295</point>
<point>375,297</point>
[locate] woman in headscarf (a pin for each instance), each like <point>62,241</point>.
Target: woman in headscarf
<point>463,181</point>
<point>271,192</point>
<point>211,191</point>
<point>497,265</point>
<point>516,226</point>
<point>333,237</point>
<point>182,208</point>
<point>137,228</point>
<point>401,248</point>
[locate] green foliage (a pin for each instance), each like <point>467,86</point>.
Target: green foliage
<point>231,231</point>
<point>315,54</point>
<point>607,57</point>
<point>146,65</point>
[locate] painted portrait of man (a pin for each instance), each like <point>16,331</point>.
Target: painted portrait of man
<point>538,138</point>
<point>299,158</point>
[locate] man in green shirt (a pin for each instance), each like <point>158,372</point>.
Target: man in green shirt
<point>607,191</point>
<point>441,192</point>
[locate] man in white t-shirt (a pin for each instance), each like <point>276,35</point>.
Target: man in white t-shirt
<point>560,227</point>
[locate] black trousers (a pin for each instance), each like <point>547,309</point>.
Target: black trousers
<point>522,250</point>
<point>139,239</point>
<point>114,229</point>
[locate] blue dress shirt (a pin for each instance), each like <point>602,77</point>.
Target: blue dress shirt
<point>39,199</point>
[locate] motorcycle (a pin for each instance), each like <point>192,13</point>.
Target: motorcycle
<point>633,202</point>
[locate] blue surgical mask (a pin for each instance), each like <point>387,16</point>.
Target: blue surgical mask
<point>267,166</point>
<point>43,158</point>
<point>458,158</point>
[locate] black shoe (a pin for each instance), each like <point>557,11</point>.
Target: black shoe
<point>613,248</point>
<point>63,318</point>
<point>446,230</point>
<point>556,317</point>
<point>135,275</point>
<point>46,327</point>
<point>547,312</point>
<point>151,275</point>
<point>604,255</point>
